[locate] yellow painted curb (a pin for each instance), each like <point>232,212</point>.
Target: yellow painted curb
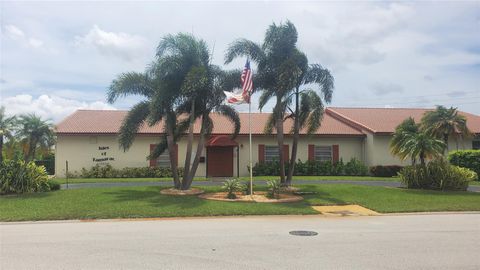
<point>345,210</point>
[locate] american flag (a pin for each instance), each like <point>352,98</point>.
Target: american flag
<point>247,87</point>
<point>247,82</point>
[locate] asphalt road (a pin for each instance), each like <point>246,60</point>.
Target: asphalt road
<point>219,183</point>
<point>449,241</point>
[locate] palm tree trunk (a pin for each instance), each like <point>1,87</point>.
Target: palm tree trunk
<point>1,148</point>
<point>422,158</point>
<point>188,156</point>
<point>279,119</point>
<point>198,154</point>
<point>296,135</point>
<point>445,140</point>
<point>31,150</point>
<point>172,155</point>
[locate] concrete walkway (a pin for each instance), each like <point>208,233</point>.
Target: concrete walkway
<point>216,183</point>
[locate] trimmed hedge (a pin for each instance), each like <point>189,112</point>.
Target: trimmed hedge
<point>469,159</point>
<point>352,167</point>
<point>385,171</point>
<point>108,171</point>
<point>437,175</point>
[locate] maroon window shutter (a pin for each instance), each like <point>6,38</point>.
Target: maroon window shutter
<point>153,162</point>
<point>285,152</point>
<point>335,153</point>
<point>311,152</point>
<point>261,153</point>
<point>176,154</point>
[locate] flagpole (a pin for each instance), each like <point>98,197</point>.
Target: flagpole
<point>250,139</point>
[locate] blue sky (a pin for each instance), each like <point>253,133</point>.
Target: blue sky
<point>56,57</point>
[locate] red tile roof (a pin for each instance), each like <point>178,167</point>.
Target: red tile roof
<point>384,120</point>
<point>109,122</point>
<point>336,121</point>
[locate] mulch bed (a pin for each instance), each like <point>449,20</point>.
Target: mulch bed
<point>178,192</point>
<point>256,197</point>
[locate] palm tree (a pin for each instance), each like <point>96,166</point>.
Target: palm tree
<point>406,129</point>
<point>35,132</point>
<point>444,123</point>
<point>181,82</point>
<point>309,106</point>
<point>276,61</point>
<point>7,126</point>
<point>421,145</point>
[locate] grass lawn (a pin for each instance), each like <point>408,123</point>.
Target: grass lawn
<point>258,178</point>
<point>133,202</point>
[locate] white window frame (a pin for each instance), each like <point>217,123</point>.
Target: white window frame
<point>271,153</point>
<point>323,153</point>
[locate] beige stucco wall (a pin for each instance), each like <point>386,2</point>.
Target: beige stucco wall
<point>80,150</point>
<point>378,150</point>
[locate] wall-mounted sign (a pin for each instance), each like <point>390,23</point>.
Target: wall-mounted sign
<point>104,155</point>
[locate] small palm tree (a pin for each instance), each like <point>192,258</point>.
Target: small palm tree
<point>420,145</point>
<point>444,123</point>
<point>407,128</point>
<point>7,126</point>
<point>35,133</point>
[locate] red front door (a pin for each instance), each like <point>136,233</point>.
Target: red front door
<point>220,161</point>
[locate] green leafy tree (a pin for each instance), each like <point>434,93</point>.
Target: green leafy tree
<point>277,70</point>
<point>7,126</point>
<point>35,133</point>
<point>444,123</point>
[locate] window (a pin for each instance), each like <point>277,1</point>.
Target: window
<point>163,161</point>
<point>476,143</point>
<point>271,153</point>
<point>323,153</point>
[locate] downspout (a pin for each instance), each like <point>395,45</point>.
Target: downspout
<point>238,161</point>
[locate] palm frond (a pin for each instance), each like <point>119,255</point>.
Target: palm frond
<point>131,83</point>
<point>244,47</point>
<point>132,123</point>
<point>232,116</point>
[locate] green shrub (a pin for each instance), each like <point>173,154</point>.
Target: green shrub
<point>469,159</point>
<point>274,187</point>
<point>353,167</point>
<point>107,171</point>
<point>385,171</point>
<point>54,185</point>
<point>437,175</point>
<point>231,186</point>
<point>17,176</point>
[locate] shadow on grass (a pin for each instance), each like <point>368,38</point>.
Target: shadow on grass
<point>152,196</point>
<point>439,192</point>
<point>26,195</point>
<point>322,195</point>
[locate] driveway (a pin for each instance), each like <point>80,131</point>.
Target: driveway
<point>440,241</point>
<point>216,183</point>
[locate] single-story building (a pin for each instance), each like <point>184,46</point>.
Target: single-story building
<point>90,137</point>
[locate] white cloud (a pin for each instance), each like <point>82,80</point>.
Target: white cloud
<point>18,35</point>
<point>14,32</point>
<point>119,44</point>
<point>49,107</point>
